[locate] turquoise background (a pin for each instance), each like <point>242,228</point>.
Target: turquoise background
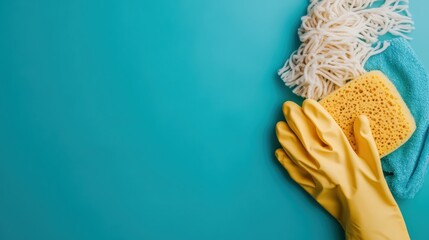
<point>155,120</point>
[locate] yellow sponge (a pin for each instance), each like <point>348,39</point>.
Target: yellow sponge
<point>373,95</point>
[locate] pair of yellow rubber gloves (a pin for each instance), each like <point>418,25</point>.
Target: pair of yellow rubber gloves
<point>349,185</point>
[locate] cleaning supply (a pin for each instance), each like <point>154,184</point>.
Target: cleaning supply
<point>405,168</point>
<point>348,184</point>
<point>373,95</point>
<point>337,37</point>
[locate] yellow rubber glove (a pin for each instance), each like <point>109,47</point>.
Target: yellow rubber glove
<point>349,185</point>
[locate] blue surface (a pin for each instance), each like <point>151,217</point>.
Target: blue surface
<point>154,120</point>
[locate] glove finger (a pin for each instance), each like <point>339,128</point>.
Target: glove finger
<point>298,174</point>
<point>326,128</point>
<point>303,128</point>
<point>366,146</point>
<point>292,145</point>
<point>308,183</point>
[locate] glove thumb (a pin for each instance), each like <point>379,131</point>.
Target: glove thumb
<point>366,146</point>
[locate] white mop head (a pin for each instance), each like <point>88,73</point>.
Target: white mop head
<point>337,38</point>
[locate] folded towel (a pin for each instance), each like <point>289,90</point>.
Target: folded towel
<point>405,168</point>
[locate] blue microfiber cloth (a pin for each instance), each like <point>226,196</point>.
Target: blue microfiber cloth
<point>405,168</point>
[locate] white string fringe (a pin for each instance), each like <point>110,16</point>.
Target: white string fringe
<point>337,38</point>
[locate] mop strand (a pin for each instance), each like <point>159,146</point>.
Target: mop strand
<point>337,38</point>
